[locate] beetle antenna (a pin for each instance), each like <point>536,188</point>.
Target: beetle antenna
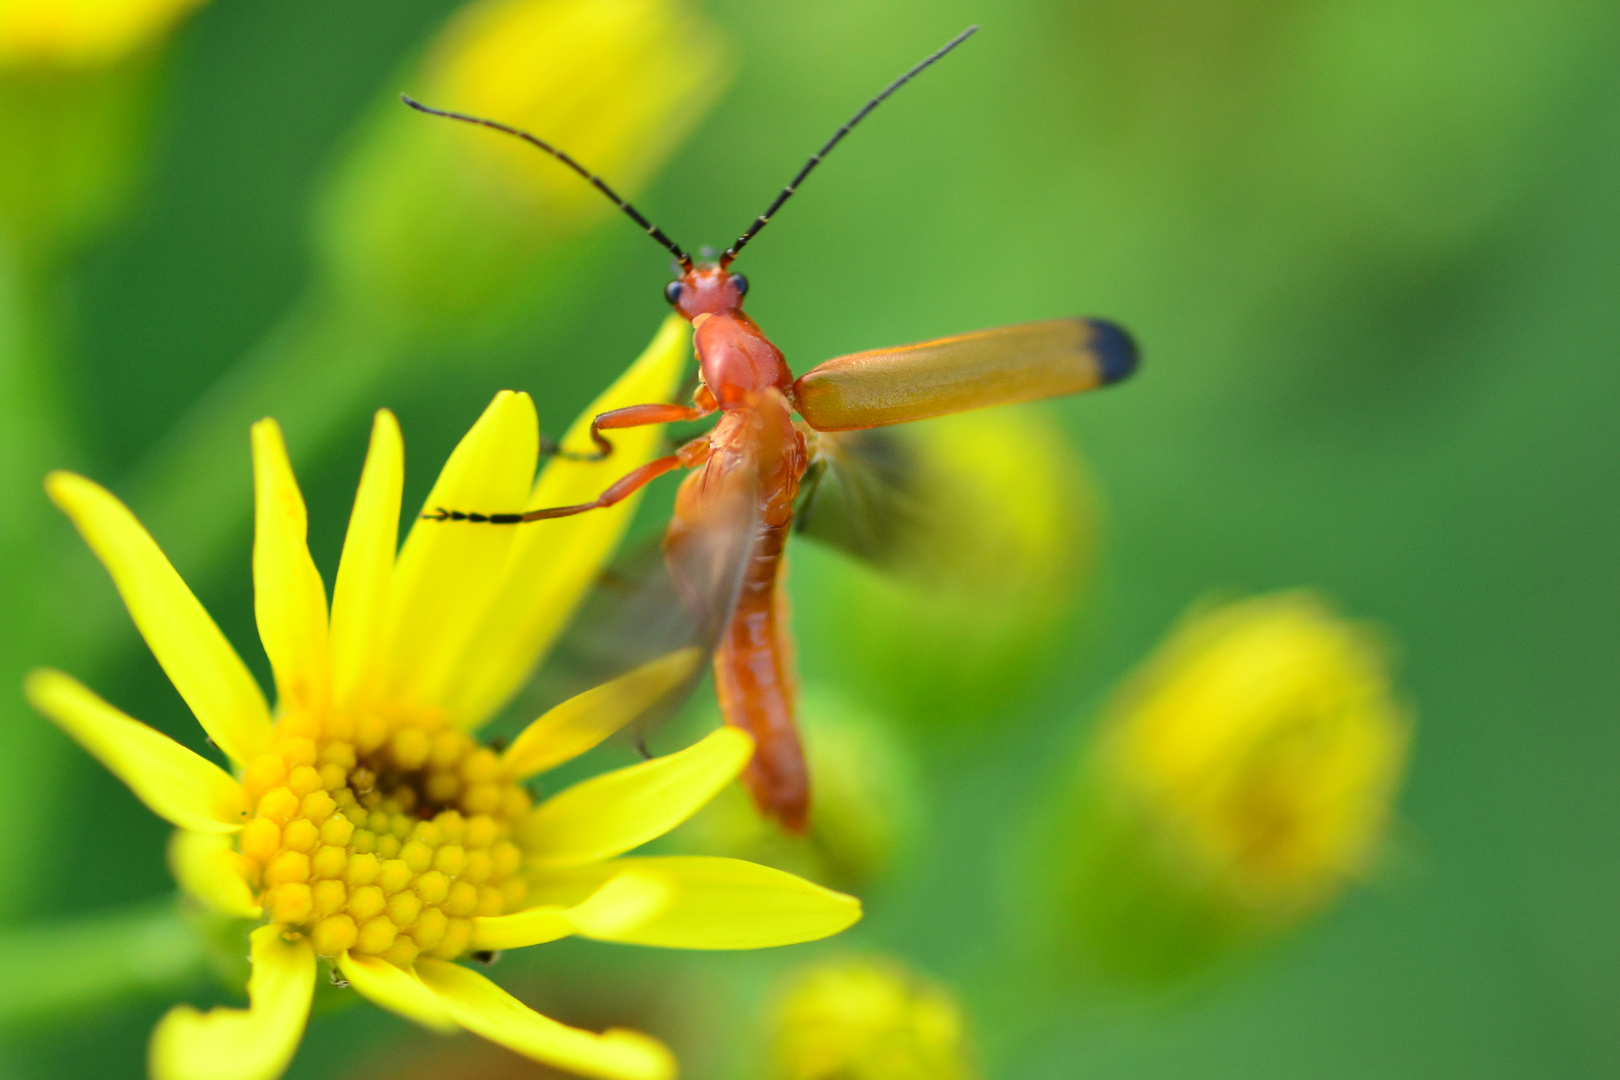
<point>595,181</point>
<point>815,159</point>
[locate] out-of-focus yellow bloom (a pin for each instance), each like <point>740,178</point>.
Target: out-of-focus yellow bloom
<point>1264,740</point>
<point>77,82</point>
<point>867,1019</point>
<point>431,219</point>
<point>996,544</point>
<point>1240,779</point>
<point>82,33</point>
<point>867,805</point>
<point>363,823</point>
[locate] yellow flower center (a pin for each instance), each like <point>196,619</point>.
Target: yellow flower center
<point>380,836</point>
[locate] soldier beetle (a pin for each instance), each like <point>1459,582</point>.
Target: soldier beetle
<point>723,551</point>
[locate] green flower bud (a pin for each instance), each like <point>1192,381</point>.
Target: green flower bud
<point>77,80</point>
<point>866,1019</point>
<point>1238,782</point>
<point>74,139</point>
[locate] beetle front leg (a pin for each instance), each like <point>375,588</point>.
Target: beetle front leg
<point>691,454</point>
<point>639,416</point>
<point>628,417</point>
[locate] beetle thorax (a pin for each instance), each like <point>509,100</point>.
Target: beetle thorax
<point>737,358</point>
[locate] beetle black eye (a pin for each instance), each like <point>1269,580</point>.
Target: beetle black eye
<point>739,283</point>
<point>672,292</point>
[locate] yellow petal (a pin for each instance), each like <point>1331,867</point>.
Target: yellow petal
<point>485,1009</point>
<point>622,902</point>
<point>448,571</point>
<point>396,990</point>
<point>612,813</point>
<point>199,661</point>
<point>536,926</point>
<point>255,1043</point>
<point>205,866</point>
<point>178,785</point>
<point>360,597</point>
<point>714,903</point>
<point>584,720</point>
<point>289,597</point>
<point>552,563</point>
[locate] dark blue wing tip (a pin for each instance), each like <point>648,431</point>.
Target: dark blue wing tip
<point>1117,356</point>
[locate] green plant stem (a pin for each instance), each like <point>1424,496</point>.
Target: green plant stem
<point>74,143</point>
<point>54,971</point>
<point>34,435</point>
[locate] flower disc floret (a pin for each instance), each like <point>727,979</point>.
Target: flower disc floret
<point>381,838</point>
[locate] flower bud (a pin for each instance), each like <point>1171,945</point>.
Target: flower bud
<point>77,87</point>
<point>1237,783</point>
<point>82,33</point>
<point>866,1019</point>
<point>864,810</point>
<point>995,543</point>
<point>430,221</point>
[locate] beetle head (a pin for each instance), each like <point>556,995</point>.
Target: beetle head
<point>706,289</point>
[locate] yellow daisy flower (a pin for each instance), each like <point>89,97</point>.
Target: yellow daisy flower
<point>363,822</point>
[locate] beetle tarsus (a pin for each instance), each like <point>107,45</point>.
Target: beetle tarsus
<point>441,514</point>
<point>552,448</point>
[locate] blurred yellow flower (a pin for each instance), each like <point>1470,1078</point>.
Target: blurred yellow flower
<point>364,824</point>
<point>430,220</point>
<point>78,80</point>
<point>548,66</point>
<point>867,1019</point>
<point>81,33</point>
<point>1263,740</point>
<point>1236,784</point>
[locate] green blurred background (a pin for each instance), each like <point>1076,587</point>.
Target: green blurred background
<point>1372,251</point>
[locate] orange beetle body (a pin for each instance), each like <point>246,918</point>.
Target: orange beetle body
<point>749,381</point>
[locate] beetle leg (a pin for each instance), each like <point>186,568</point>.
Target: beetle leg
<point>693,453</point>
<point>638,416</point>
<point>627,417</point>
